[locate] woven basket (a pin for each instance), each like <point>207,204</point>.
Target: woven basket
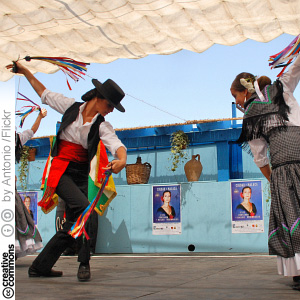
<point>138,173</point>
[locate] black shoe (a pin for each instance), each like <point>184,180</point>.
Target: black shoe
<point>296,279</point>
<point>84,273</point>
<point>296,287</point>
<point>33,272</point>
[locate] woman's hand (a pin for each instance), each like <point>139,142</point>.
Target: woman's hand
<point>36,124</point>
<point>20,69</point>
<point>115,165</point>
<point>43,113</point>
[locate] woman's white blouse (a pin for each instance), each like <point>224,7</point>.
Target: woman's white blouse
<point>77,132</point>
<point>25,136</point>
<point>289,80</point>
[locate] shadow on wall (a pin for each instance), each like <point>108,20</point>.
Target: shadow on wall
<point>109,241</point>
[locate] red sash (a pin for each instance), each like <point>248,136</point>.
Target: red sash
<point>67,152</point>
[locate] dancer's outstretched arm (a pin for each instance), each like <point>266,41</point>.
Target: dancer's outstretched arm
<point>35,83</point>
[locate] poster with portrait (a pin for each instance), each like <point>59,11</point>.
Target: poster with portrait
<point>166,209</point>
<point>30,199</point>
<point>247,207</point>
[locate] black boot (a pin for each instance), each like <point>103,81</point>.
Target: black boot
<point>296,279</point>
<point>84,272</point>
<point>33,272</point>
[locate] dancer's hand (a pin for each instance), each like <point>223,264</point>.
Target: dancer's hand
<point>115,166</point>
<point>43,113</point>
<point>20,69</point>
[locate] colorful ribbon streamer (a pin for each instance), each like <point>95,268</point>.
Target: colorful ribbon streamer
<point>79,227</point>
<point>73,68</point>
<point>286,56</point>
<point>25,114</point>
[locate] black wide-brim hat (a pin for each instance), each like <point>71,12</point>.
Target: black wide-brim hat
<point>111,92</point>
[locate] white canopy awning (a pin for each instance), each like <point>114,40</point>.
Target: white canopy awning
<point>96,31</point>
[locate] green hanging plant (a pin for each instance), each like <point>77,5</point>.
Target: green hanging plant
<point>23,167</point>
<point>179,142</point>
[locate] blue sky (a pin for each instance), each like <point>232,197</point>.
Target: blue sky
<point>186,85</point>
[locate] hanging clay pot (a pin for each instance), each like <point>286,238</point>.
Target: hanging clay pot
<point>193,168</point>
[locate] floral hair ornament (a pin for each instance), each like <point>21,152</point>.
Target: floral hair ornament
<point>247,83</point>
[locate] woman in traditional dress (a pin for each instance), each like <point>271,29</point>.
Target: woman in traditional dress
<point>28,239</point>
<point>272,121</point>
<point>82,127</point>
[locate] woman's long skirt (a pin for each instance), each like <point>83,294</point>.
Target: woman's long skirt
<point>28,239</point>
<point>284,224</point>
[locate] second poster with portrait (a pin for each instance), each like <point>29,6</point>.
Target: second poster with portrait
<point>247,207</point>
<point>166,209</point>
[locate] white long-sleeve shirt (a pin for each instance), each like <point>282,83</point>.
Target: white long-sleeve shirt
<point>25,136</point>
<point>77,132</point>
<point>289,81</point>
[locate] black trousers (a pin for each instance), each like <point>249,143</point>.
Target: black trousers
<point>60,219</point>
<point>72,187</point>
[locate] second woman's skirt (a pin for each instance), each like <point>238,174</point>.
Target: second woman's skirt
<point>28,239</point>
<point>284,224</point>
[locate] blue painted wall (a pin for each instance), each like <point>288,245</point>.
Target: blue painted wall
<point>126,227</point>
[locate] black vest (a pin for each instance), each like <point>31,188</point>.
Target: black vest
<point>69,117</point>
